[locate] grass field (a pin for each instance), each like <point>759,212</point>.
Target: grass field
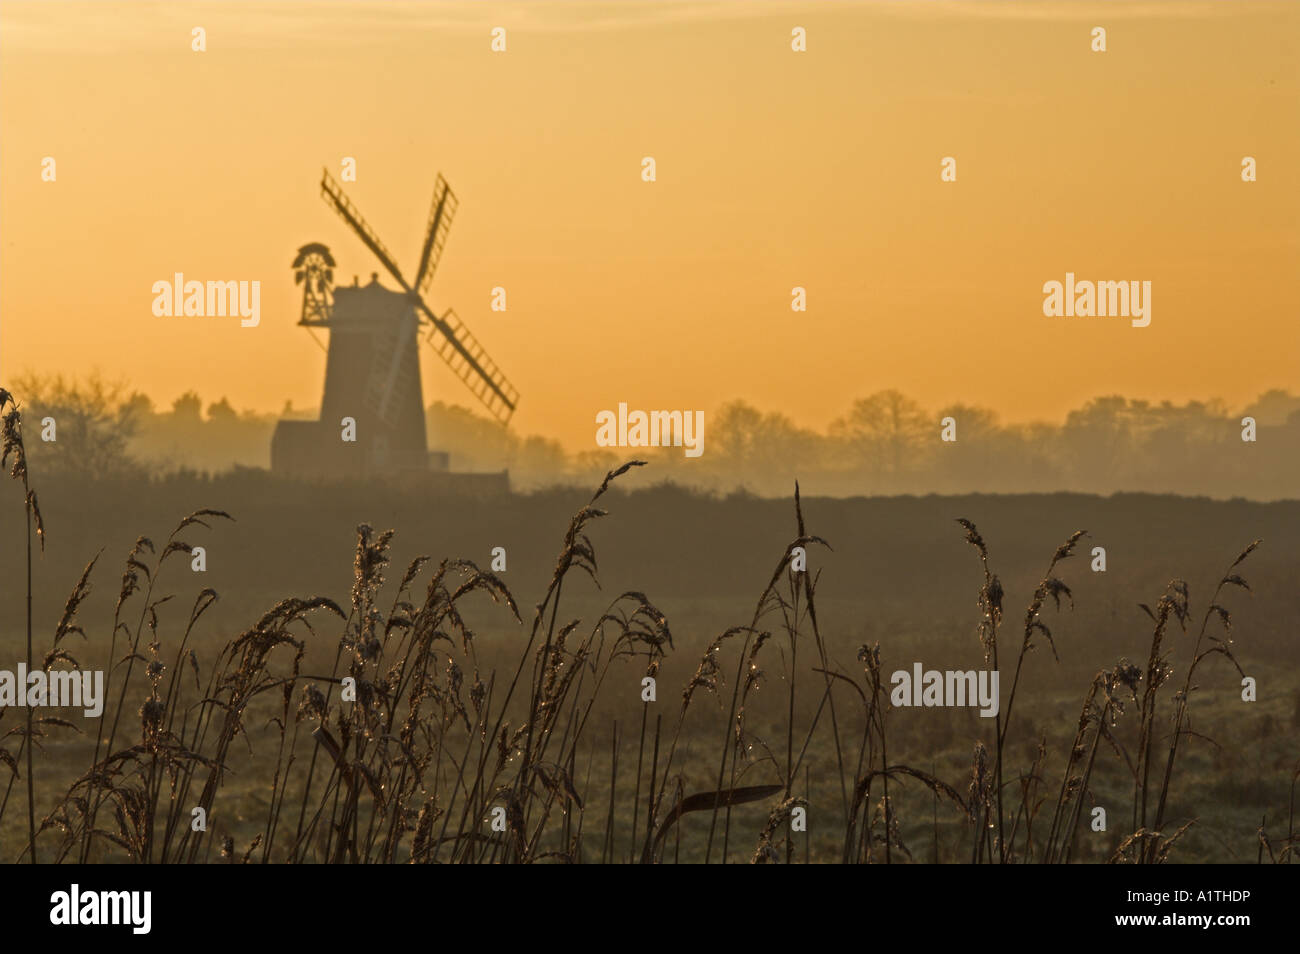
<point>499,715</point>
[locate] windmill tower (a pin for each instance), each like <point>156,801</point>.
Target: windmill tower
<point>372,372</point>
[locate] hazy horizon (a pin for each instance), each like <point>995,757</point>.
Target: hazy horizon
<point>884,443</point>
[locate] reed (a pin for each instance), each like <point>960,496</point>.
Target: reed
<point>410,747</point>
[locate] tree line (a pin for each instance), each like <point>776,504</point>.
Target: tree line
<point>884,443</point>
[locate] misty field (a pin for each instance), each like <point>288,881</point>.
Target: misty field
<point>500,715</point>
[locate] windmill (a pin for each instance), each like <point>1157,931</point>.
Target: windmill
<point>372,372</point>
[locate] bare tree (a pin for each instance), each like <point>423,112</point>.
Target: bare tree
<point>886,431</point>
<point>84,427</point>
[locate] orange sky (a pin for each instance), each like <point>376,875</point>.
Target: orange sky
<point>775,169</point>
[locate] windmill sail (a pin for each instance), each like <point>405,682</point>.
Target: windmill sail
<point>450,339</point>
<point>335,197</point>
<point>441,213</point>
<point>470,362</point>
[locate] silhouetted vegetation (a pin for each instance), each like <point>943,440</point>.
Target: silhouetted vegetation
<point>886,443</point>
<point>537,720</point>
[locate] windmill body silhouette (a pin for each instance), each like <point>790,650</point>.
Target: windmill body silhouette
<point>372,373</point>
